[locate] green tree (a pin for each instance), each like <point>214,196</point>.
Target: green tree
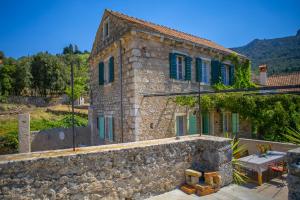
<point>22,76</point>
<point>7,70</point>
<point>48,74</point>
<point>80,64</point>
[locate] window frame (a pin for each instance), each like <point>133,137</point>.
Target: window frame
<point>226,126</point>
<point>183,67</point>
<point>184,115</point>
<point>208,71</point>
<point>227,74</point>
<point>106,127</point>
<point>106,71</point>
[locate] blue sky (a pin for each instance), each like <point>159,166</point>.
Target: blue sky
<point>30,26</point>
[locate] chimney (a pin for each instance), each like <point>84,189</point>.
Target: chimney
<point>263,74</point>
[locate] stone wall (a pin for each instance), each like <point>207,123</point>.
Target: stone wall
<point>38,101</point>
<point>133,170</point>
<point>59,138</point>
<point>293,177</point>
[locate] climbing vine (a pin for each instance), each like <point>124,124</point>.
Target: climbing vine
<point>270,115</point>
<point>242,73</point>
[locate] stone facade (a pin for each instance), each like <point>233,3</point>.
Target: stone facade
<point>293,177</point>
<point>143,56</point>
<point>118,171</point>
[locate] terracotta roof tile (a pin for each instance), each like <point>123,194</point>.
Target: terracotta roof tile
<point>173,33</point>
<point>285,79</point>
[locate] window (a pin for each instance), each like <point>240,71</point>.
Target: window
<point>226,74</point>
<point>192,124</point>
<point>235,123</point>
<point>226,122</point>
<point>206,71</point>
<point>180,67</point>
<point>106,28</point>
<point>106,71</point>
<point>105,128</point>
<point>180,125</point>
<point>205,123</point>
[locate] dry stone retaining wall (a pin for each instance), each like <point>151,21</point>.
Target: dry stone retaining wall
<point>293,178</point>
<point>133,170</point>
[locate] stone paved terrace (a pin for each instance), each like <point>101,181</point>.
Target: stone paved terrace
<point>273,190</point>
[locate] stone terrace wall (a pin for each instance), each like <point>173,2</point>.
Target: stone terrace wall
<point>133,170</point>
<point>59,138</point>
<point>250,145</point>
<point>294,174</point>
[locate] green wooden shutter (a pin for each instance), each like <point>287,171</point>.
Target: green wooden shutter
<point>101,73</point>
<point>172,62</point>
<point>235,123</point>
<point>101,127</point>
<point>231,75</point>
<point>215,72</point>
<point>192,124</point>
<point>188,68</point>
<point>111,129</point>
<point>205,123</point>
<point>223,73</point>
<point>111,69</point>
<point>198,69</point>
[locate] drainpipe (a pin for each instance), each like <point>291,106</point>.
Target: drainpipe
<point>121,89</point>
<point>199,112</point>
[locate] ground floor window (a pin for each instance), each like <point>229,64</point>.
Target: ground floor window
<point>192,124</point>
<point>180,125</point>
<point>235,123</point>
<point>226,122</point>
<point>230,122</point>
<point>205,123</point>
<point>106,128</point>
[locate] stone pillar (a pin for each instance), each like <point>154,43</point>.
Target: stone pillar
<point>24,133</point>
<point>293,178</point>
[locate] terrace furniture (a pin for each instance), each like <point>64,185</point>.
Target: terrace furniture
<point>279,168</point>
<point>260,163</point>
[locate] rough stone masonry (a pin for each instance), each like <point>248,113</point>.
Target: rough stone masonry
<point>131,170</point>
<point>293,178</point>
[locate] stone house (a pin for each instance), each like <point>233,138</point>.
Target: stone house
<point>131,58</point>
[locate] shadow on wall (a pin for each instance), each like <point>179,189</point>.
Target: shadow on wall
<point>59,138</point>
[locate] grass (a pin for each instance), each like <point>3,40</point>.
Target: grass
<point>39,119</point>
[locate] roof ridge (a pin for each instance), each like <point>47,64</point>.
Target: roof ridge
<point>111,11</point>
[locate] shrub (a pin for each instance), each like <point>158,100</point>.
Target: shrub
<point>9,143</point>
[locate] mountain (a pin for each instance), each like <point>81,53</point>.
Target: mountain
<point>281,55</point>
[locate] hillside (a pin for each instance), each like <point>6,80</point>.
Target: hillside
<point>282,55</point>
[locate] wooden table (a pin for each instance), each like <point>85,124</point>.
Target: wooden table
<point>261,163</point>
